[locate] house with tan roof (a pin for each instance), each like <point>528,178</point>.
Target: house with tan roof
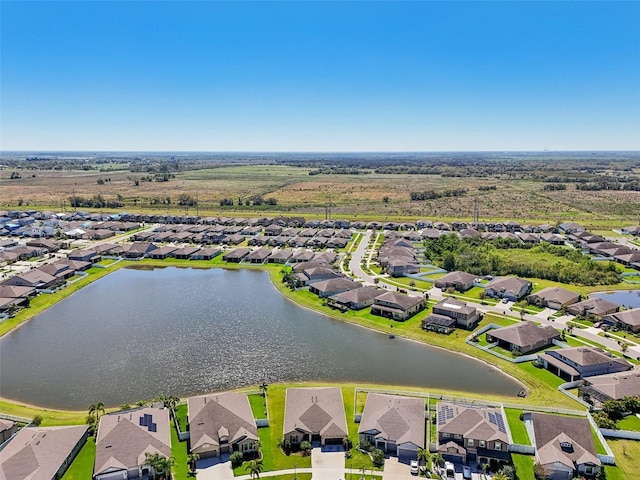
<point>523,337</point>
<point>356,299</point>
<point>461,281</point>
<point>125,437</point>
<point>625,320</point>
<point>553,297</point>
<point>579,362</point>
<point>613,386</point>
<point>466,316</point>
<point>221,423</point>
<point>333,286</point>
<point>394,424</point>
<point>597,307</point>
<point>36,278</point>
<point>564,446</point>
<point>511,288</point>
<point>314,415</point>
<point>7,429</point>
<point>397,306</point>
<point>473,433</point>
<point>41,453</point>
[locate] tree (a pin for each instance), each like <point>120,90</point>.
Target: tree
<point>36,420</point>
<point>254,467</point>
<point>540,472</point>
<point>192,458</point>
<point>377,456</point>
<point>160,464</point>
<point>236,458</point>
<point>438,459</point>
<point>509,472</point>
<point>500,476</point>
<point>263,388</point>
<point>449,263</point>
<point>346,443</point>
<point>424,457</point>
<point>305,447</point>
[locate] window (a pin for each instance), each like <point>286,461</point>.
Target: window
<point>497,446</point>
<point>589,470</point>
<point>445,435</point>
<point>482,444</point>
<point>470,442</point>
<point>457,435</point>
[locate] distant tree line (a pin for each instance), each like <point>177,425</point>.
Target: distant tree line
<point>255,200</point>
<point>487,188</point>
<point>433,194</point>
<point>554,186</point>
<point>97,201</point>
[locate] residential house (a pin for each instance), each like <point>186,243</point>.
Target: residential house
<point>398,267</point>
<point>613,386</point>
<point>333,286</point>
<point>466,316</point>
<point>394,424</point>
<point>314,415</point>
<point>281,255</point>
<point>356,299</point>
<point>625,320</point>
<point>473,433</point>
<point>237,255</point>
<point>41,453</point>
<point>576,363</point>
<point>302,256</point>
<point>524,337</point>
<point>7,429</point>
<point>184,253</point>
<point>553,297</point>
<point>511,288</point>
<point>205,254</point>
<point>258,256</point>
<point>221,423</point>
<point>439,323</point>
<point>597,307</point>
<point>125,437</point>
<point>564,446</point>
<point>163,252</point>
<point>139,250</point>
<point>316,274</point>
<point>397,306</point>
<point>35,279</point>
<point>461,281</point>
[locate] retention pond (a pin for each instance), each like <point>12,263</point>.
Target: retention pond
<point>137,333</point>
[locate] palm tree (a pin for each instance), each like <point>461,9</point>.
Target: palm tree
<point>500,476</point>
<point>423,457</point>
<point>192,458</point>
<point>254,467</point>
<point>263,388</point>
<point>346,443</point>
<point>99,410</point>
<point>160,464</point>
<point>438,459</point>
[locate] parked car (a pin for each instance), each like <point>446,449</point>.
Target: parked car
<point>505,300</point>
<point>414,467</point>
<point>449,470</point>
<point>466,473</point>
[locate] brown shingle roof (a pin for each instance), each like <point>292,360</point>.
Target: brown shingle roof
<point>525,334</point>
<point>481,423</point>
<point>315,410</point>
<point>396,418</point>
<point>617,385</point>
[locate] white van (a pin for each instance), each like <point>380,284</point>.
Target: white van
<point>449,470</point>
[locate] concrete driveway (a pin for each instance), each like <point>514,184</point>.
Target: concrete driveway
<point>395,470</point>
<point>216,468</point>
<point>327,464</point>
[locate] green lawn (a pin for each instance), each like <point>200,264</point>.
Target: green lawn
<point>627,454</point>
<point>518,431</point>
<point>179,453</point>
<point>524,466</point>
<point>258,406</point>
<point>181,415</point>
<point>82,466</point>
<point>629,423</point>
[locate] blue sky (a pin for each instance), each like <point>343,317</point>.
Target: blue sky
<point>320,76</point>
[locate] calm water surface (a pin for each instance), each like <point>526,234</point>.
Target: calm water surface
<point>138,333</point>
<point>628,298</point>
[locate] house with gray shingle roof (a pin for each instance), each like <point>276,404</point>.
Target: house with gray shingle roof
<point>358,298</point>
<point>125,437</point>
<point>314,415</point>
<point>466,316</point>
<point>625,320</point>
<point>580,362</point>
<point>613,386</point>
<point>333,286</point>
<point>472,433</point>
<point>221,423</point>
<point>461,281</point>
<point>523,337</point>
<point>394,424</point>
<point>512,288</point>
<point>564,446</point>
<point>397,306</point>
<point>553,297</point>
<point>597,307</point>
<point>41,453</point>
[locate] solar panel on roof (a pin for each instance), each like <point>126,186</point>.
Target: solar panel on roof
<point>153,427</point>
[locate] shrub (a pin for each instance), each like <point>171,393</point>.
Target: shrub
<point>236,459</point>
<point>377,456</point>
<point>305,447</point>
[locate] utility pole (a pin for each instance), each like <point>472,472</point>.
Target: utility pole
<point>197,202</point>
<point>476,213</point>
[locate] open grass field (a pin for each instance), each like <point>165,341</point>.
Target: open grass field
<point>627,454</point>
<point>365,196</point>
<point>518,431</point>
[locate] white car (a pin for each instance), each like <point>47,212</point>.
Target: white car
<point>414,467</point>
